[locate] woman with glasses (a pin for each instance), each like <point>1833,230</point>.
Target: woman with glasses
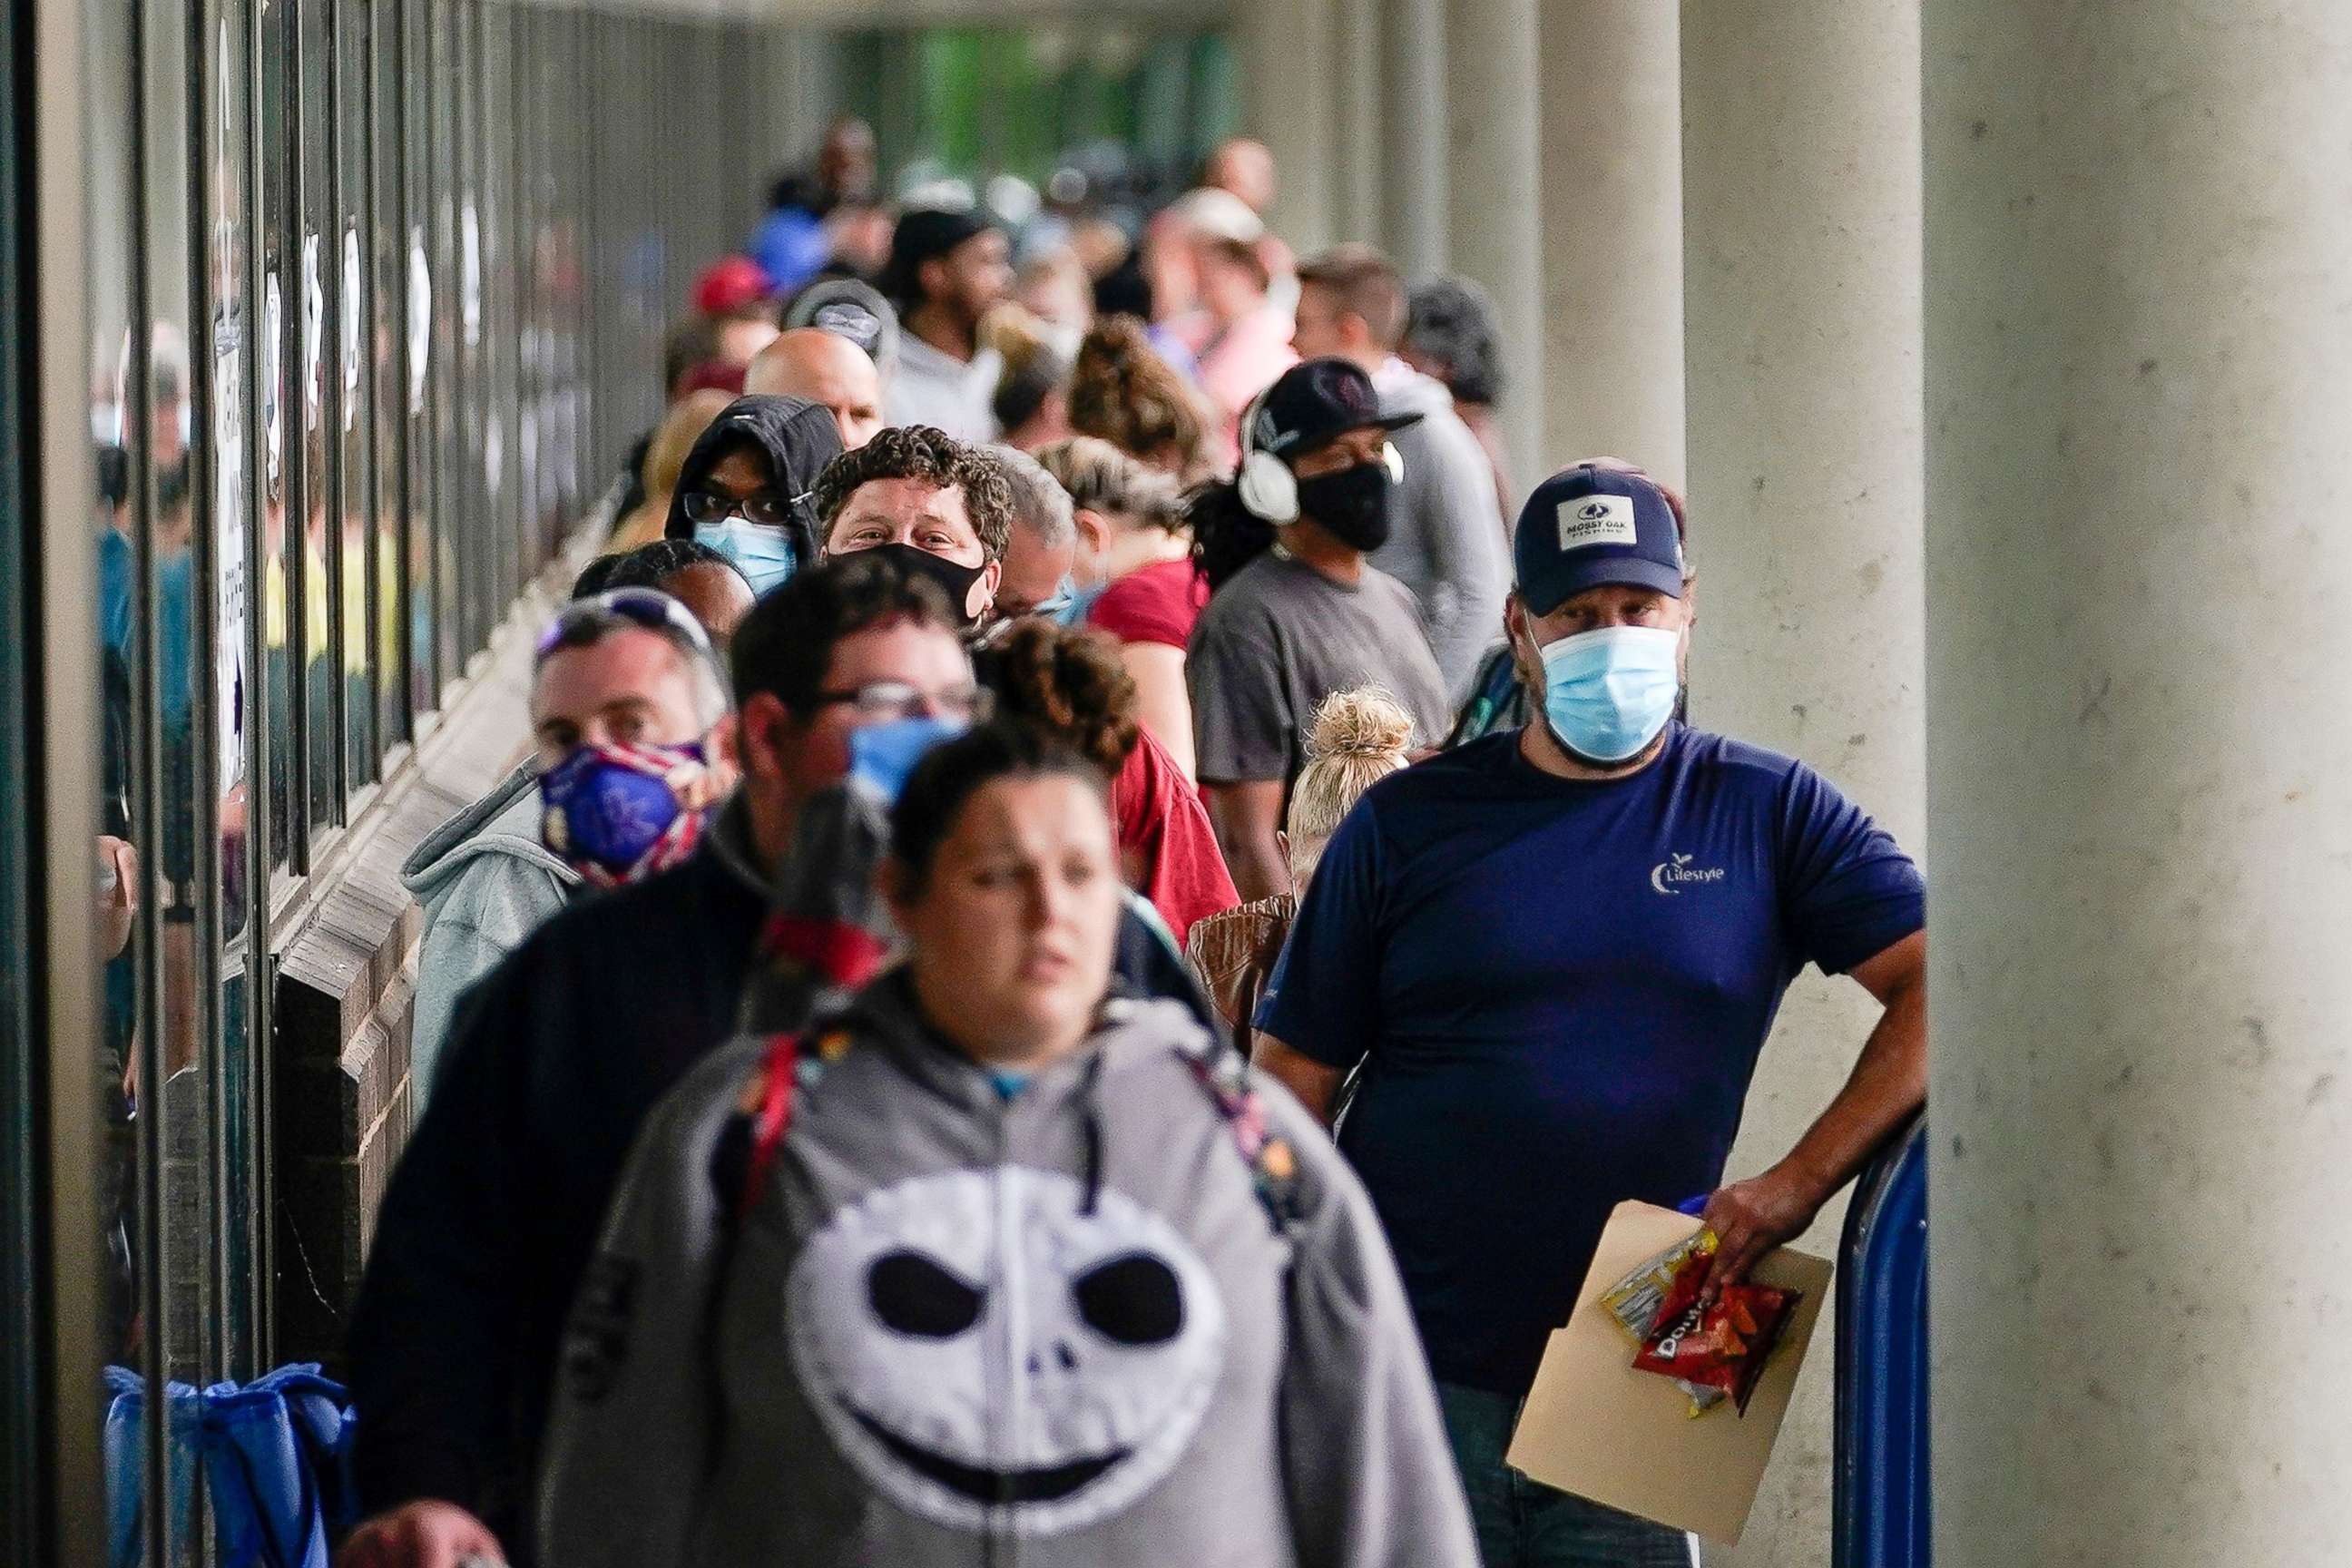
<point>744,488</point>
<point>990,1265</point>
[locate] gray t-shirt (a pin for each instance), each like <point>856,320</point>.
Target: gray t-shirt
<point>1277,639</point>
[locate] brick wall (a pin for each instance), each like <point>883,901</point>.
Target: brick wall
<point>346,977</point>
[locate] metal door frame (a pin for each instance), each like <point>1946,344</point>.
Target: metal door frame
<point>59,694</point>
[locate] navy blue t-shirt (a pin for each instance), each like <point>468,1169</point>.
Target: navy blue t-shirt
<point>1558,989</point>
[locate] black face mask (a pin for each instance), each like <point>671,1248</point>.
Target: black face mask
<point>1353,505</point>
<point>956,582</point>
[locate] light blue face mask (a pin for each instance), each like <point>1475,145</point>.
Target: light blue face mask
<point>1607,693</point>
<point>1060,605</point>
<point>884,754</point>
<point>765,555</point>
<point>1077,602</point>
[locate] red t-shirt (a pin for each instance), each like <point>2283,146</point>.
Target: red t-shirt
<point>1161,820</point>
<point>1158,603</point>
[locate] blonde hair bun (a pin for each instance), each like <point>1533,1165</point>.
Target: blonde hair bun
<point>1368,722</point>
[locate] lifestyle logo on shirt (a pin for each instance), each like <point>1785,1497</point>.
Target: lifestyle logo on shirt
<point>1672,876</point>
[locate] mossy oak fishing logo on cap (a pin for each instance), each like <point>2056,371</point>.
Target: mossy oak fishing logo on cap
<point>1597,520</point>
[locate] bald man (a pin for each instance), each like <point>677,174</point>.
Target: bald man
<point>811,362</point>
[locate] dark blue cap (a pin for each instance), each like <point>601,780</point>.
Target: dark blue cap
<point>1587,526</point>
<point>1314,403</point>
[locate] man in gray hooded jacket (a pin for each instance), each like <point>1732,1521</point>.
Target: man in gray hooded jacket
<point>489,878</point>
<point>1078,1292</point>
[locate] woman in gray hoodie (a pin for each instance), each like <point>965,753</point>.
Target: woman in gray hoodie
<point>993,1267</point>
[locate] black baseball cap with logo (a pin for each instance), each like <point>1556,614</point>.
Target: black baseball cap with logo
<point>1314,402</point>
<point>1587,526</point>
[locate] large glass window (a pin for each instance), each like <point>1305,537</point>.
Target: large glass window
<point>260,354</point>
<point>291,795</point>
<point>319,452</point>
<point>360,593</point>
<point>384,399</point>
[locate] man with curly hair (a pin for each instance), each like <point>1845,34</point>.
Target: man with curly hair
<point>941,508</point>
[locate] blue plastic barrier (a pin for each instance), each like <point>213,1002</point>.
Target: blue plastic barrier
<point>274,1454</point>
<point>1881,1484</point>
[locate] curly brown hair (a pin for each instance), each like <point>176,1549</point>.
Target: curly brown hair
<point>1124,392</point>
<point>934,458</point>
<point>1069,683</point>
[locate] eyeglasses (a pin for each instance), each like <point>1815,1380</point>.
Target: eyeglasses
<point>586,621</point>
<point>765,508</point>
<point>883,702</point>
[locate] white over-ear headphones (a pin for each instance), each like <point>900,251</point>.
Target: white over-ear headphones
<point>1269,491</point>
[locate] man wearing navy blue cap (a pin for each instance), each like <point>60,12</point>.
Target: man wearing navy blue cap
<point>1556,952</point>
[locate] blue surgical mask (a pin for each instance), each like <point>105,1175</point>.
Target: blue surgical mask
<point>765,555</point>
<point>1607,693</point>
<point>1081,603</point>
<point>1061,605</point>
<point>884,754</point>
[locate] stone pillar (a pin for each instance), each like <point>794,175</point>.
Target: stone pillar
<point>1496,192</point>
<point>2138,381</point>
<point>802,89</point>
<point>1414,186</point>
<point>1289,60</point>
<point>1800,212</point>
<point>1358,210</point>
<point>1611,235</point>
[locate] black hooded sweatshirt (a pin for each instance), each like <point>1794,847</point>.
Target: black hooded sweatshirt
<point>796,437</point>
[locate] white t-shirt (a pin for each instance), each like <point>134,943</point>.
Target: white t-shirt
<point>933,388</point>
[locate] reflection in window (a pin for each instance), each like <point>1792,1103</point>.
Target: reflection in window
<point>339,291</point>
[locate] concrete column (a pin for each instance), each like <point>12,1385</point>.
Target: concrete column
<point>802,89</point>
<point>1495,192</point>
<point>2138,381</point>
<point>1289,51</point>
<point>1612,236</point>
<point>1801,213</point>
<point>1415,188</point>
<point>1359,91</point>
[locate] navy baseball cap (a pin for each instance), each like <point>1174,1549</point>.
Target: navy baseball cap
<point>1588,525</point>
<point>1316,401</point>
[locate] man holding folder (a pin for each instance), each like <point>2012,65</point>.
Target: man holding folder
<point>1557,953</point>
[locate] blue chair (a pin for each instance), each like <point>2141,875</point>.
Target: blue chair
<point>1880,1504</point>
<point>274,1455</point>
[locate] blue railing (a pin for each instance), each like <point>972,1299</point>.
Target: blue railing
<point>1881,1485</point>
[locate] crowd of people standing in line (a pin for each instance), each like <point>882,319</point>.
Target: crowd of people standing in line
<point>1063,731</point>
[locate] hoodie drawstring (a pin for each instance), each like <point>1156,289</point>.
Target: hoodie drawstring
<point>1090,1113</point>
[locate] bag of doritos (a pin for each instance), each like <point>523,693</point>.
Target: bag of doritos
<point>1713,1353</point>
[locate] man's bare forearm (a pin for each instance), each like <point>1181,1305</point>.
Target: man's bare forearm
<point>1316,1086</point>
<point>1886,1088</point>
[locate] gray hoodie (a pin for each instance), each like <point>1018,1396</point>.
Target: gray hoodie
<point>1444,544</point>
<point>485,882</point>
<point>952,1329</point>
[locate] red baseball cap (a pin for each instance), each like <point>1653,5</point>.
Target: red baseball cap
<point>730,284</point>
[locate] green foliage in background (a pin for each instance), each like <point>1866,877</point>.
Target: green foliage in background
<point>976,101</point>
